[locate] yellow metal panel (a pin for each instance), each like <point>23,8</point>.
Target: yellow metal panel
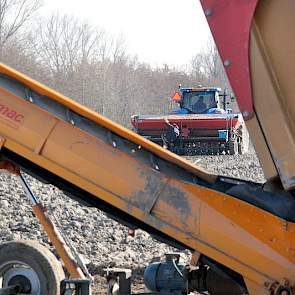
<point>246,239</point>
<point>272,59</point>
<point>112,126</point>
<point>261,148</point>
<point>178,217</point>
<point>253,288</point>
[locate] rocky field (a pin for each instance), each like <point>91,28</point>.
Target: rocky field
<point>102,241</point>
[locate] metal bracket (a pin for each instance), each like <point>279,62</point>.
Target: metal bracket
<point>77,287</point>
<point>122,277</point>
<point>54,235</point>
<point>111,139</point>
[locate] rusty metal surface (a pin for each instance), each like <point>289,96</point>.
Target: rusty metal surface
<point>113,169</point>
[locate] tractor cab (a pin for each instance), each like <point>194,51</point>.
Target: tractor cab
<point>199,101</point>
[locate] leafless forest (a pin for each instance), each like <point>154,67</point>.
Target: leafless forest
<point>92,67</point>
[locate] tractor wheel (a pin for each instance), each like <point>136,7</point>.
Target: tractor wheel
<point>244,140</point>
<point>31,267</point>
<point>232,147</point>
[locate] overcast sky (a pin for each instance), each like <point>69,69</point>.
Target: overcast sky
<point>157,31</point>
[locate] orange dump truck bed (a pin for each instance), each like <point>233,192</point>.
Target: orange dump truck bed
<point>137,182</point>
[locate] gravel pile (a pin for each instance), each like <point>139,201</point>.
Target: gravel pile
<point>99,239</point>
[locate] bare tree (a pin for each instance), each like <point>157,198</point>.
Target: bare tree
<point>63,43</point>
<point>88,65</point>
<point>118,49</point>
<point>207,66</point>
<point>14,14</point>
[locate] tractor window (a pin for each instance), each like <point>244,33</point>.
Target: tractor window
<point>199,102</point>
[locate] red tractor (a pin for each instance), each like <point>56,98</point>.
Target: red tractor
<point>201,125</point>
